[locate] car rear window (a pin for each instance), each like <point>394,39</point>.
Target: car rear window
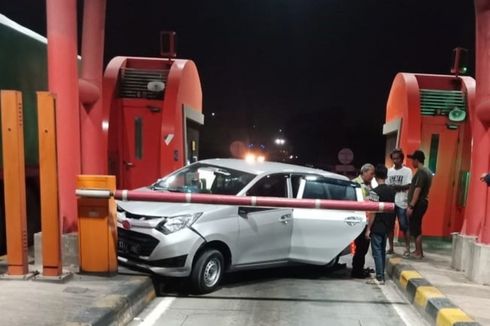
<point>325,189</point>
<point>273,185</point>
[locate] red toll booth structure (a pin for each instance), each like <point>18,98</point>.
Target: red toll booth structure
<point>431,113</point>
<point>155,112</point>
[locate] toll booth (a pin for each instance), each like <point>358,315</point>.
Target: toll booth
<point>432,113</point>
<point>155,107</point>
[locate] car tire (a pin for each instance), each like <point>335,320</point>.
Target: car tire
<point>207,271</point>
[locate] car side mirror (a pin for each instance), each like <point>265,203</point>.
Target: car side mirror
<point>242,211</point>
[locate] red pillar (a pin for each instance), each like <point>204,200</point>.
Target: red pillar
<point>482,152</point>
<point>93,120</point>
<point>63,82</point>
<point>475,208</point>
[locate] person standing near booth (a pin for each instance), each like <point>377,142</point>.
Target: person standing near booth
<point>382,223</point>
<point>362,243</point>
<point>399,178</point>
<point>418,199</point>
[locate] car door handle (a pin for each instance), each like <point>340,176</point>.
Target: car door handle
<point>352,220</point>
<point>285,218</point>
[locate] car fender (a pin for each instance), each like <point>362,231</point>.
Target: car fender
<point>220,226</point>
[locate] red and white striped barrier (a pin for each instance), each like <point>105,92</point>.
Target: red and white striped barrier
<point>253,201</point>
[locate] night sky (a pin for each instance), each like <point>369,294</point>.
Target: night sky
<point>319,71</point>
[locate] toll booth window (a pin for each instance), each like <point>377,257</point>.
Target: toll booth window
<point>434,149</point>
<point>138,138</point>
<point>273,185</point>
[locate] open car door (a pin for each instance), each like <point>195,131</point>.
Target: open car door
<point>319,235</point>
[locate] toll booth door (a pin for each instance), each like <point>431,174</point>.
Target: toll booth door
<point>141,144</point>
<point>192,135</point>
<point>440,144</point>
<point>193,120</point>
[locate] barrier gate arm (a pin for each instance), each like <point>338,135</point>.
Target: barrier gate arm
<point>253,201</point>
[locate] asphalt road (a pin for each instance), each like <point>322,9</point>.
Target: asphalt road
<point>288,296</point>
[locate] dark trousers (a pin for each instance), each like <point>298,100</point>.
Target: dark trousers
<point>378,247</point>
<point>362,246</point>
<point>416,218</point>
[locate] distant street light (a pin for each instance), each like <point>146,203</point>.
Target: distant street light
<point>279,141</point>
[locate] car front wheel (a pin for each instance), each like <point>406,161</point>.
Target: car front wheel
<point>207,272</point>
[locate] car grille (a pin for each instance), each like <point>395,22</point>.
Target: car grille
<point>134,244</point>
<point>173,262</point>
<point>139,216</point>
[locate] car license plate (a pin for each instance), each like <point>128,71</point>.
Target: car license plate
<point>122,246</point>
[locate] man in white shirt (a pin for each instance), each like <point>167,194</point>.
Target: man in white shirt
<point>400,178</point>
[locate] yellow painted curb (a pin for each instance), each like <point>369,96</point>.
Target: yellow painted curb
<point>405,276</point>
<point>395,260</point>
<point>450,316</point>
<point>424,293</point>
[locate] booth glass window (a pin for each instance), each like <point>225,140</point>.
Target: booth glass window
<point>138,138</point>
<point>434,149</point>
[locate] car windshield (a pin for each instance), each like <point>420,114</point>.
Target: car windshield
<point>206,179</point>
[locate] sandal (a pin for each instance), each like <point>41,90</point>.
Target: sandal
<point>406,254</point>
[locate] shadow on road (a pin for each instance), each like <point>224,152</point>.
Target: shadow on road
<point>179,287</point>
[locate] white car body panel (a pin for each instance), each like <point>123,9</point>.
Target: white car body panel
<point>264,236</point>
<point>319,235</point>
<point>255,237</point>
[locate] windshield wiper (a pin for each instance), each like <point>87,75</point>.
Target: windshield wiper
<point>174,189</point>
<point>156,187</point>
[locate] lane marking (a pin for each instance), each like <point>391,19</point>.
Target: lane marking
<point>406,312</point>
<point>157,312</point>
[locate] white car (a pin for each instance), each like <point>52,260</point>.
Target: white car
<point>203,241</point>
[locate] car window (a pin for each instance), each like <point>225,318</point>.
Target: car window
<point>273,185</point>
<point>324,188</point>
<point>205,178</point>
<point>295,183</point>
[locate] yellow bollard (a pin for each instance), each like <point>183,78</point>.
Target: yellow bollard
<point>97,229</point>
<point>14,181</point>
<point>48,180</point>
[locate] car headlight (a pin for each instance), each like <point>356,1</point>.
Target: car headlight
<point>175,223</point>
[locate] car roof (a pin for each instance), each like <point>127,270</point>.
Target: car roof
<point>268,167</point>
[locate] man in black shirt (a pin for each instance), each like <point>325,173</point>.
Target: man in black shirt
<point>381,225</point>
<point>418,202</point>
